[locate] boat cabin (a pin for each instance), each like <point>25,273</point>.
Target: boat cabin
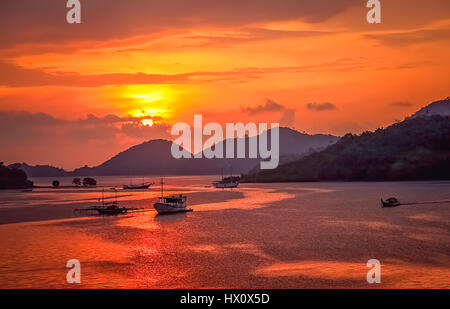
<point>175,199</point>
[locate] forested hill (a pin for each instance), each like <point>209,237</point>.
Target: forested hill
<point>11,178</point>
<point>414,149</point>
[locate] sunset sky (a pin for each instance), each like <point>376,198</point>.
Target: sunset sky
<point>76,94</point>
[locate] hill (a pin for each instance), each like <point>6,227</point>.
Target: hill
<point>441,107</point>
<point>293,145</point>
<point>154,158</point>
<point>416,149</point>
<point>11,178</point>
<point>40,170</point>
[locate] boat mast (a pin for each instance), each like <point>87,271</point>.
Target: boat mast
<point>162,187</point>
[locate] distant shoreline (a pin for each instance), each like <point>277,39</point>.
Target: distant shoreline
<point>348,181</point>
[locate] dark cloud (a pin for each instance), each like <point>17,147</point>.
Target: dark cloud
<point>30,21</point>
<point>16,125</point>
<point>288,115</point>
<point>39,137</point>
<point>401,104</point>
<point>15,76</point>
<point>269,106</point>
<point>325,106</point>
<point>411,37</point>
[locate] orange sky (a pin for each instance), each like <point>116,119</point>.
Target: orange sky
<point>77,94</point>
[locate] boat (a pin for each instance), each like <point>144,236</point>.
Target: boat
<point>108,208</point>
<point>135,187</point>
<point>390,202</point>
<point>170,204</point>
<point>112,209</point>
<point>227,182</point>
<point>143,185</point>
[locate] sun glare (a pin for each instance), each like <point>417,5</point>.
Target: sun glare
<point>147,101</point>
<point>147,122</point>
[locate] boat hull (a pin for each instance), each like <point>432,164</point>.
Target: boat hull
<point>163,208</point>
<point>390,203</point>
<point>112,212</point>
<point>131,187</point>
<point>226,185</point>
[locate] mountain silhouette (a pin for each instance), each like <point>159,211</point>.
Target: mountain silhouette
<point>417,148</point>
<point>441,108</point>
<point>154,158</point>
<point>39,170</point>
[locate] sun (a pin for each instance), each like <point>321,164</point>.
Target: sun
<point>147,102</point>
<point>147,122</point>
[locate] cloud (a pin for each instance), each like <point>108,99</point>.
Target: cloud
<point>44,20</point>
<point>401,104</point>
<point>269,106</point>
<point>288,115</point>
<point>411,37</point>
<point>15,76</point>
<point>12,75</point>
<point>246,35</point>
<point>42,138</point>
<point>326,106</point>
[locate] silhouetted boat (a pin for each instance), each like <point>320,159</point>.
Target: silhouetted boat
<point>106,208</point>
<point>134,187</point>
<point>227,182</point>
<point>143,185</point>
<point>170,204</point>
<point>390,202</point>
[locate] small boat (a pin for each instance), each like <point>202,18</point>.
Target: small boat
<point>227,182</point>
<point>135,187</point>
<point>390,202</point>
<point>105,209</point>
<point>108,208</point>
<point>171,204</point>
<point>112,209</point>
<point>143,185</point>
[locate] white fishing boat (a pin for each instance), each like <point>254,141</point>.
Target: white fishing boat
<point>171,204</point>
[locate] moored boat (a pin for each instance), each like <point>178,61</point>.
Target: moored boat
<point>171,203</point>
<point>135,187</point>
<point>227,182</point>
<point>390,202</point>
<point>143,185</point>
<point>108,208</point>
